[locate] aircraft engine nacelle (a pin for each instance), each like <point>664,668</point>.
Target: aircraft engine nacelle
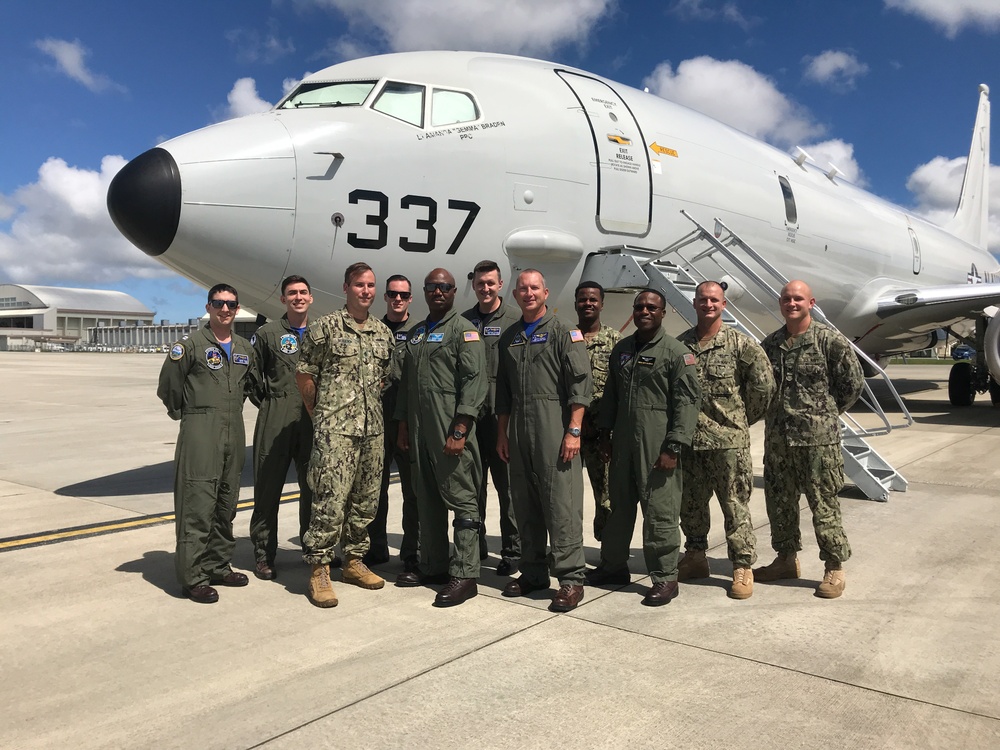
<point>992,346</point>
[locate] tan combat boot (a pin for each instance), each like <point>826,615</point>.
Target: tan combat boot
<point>784,567</point>
<point>833,583</point>
<point>320,589</point>
<point>694,564</point>
<point>742,587</point>
<point>357,574</point>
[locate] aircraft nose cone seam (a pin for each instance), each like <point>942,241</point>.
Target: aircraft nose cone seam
<point>144,201</point>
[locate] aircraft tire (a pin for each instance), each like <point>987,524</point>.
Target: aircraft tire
<point>994,392</point>
<point>960,390</point>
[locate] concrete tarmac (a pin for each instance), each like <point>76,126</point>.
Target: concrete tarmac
<point>99,649</point>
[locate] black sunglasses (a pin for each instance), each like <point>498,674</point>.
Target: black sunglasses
<point>641,308</point>
<point>401,295</point>
<point>442,286</point>
<point>218,304</point>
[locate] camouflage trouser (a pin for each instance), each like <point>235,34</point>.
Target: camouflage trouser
<point>344,473</point>
<point>818,472</point>
<point>729,474</point>
<point>597,471</point>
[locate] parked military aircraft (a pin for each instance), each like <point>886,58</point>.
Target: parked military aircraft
<point>416,160</point>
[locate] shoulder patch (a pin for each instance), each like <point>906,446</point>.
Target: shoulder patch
<point>177,352</point>
<point>253,340</point>
<point>289,343</point>
<point>576,335</point>
<point>689,359</point>
<point>471,336</point>
<point>418,335</point>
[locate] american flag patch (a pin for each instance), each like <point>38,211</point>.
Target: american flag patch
<point>472,336</point>
<point>575,335</point>
<point>689,359</point>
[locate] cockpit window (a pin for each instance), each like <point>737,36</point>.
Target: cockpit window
<point>451,107</point>
<point>342,94</point>
<point>404,101</point>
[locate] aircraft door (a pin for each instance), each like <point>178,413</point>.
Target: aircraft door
<point>624,180</point>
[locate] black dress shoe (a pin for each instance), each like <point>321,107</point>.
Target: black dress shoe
<point>660,593</point>
<point>232,578</point>
<point>264,571</point>
<point>457,591</point>
<point>203,594</point>
<point>408,578</point>
<point>567,597</point>
<point>601,576</point>
<point>521,586</point>
<point>507,566</point>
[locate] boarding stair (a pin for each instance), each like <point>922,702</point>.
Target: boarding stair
<point>673,271</point>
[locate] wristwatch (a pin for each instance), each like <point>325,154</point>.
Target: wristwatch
<point>458,434</point>
<point>674,448</point>
<point>574,431</point>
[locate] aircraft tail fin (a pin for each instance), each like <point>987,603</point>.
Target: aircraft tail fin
<point>970,222</point>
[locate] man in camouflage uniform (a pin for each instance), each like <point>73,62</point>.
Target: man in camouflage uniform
<point>203,383</point>
<point>283,433</point>
<point>818,377</point>
<point>601,339</point>
<point>441,392</point>
<point>736,387</point>
<point>342,368</point>
<point>492,316</point>
<point>543,387</point>
<point>398,296</point>
<point>651,404</point>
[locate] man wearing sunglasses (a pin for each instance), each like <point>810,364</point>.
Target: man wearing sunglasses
<point>543,387</point>
<point>441,391</point>
<point>650,409</point>
<point>203,383</point>
<point>283,433</point>
<point>397,300</point>
<point>492,316</point>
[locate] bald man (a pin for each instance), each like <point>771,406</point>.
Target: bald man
<point>818,378</point>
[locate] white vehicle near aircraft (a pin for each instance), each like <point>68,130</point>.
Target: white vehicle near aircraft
<point>416,160</point>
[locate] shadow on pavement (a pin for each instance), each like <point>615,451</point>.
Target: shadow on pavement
<point>157,568</point>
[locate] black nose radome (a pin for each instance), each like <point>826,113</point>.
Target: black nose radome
<point>144,201</point>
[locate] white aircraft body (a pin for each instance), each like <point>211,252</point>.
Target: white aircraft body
<point>417,160</point>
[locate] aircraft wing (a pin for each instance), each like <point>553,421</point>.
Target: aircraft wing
<point>936,306</point>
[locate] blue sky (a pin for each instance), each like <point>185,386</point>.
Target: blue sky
<point>885,89</point>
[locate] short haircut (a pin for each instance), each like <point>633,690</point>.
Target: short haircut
<point>530,270</point>
<point>649,290</point>
<point>709,282</point>
<point>356,269</point>
<point>397,277</point>
<point>223,288</point>
<point>486,266</point>
<point>293,279</point>
<point>589,285</point>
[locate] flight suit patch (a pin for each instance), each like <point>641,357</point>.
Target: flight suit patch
<point>646,361</point>
<point>539,338</point>
<point>435,338</point>
<point>576,335</point>
<point>689,359</point>
<point>624,358</point>
<point>241,359</point>
<point>518,340</point>
<point>471,336</point>
<point>253,340</point>
<point>213,357</point>
<point>401,335</point>
<point>289,344</point>
<point>418,335</point>
<point>177,352</point>
<point>491,331</point>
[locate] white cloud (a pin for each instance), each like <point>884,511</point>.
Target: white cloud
<point>953,15</point>
<point>736,94</point>
<point>936,186</point>
<point>244,100</point>
<point>702,10</point>
<point>841,155</point>
<point>834,68</point>
<point>525,27</point>
<point>70,60</point>
<point>60,232</point>
<point>252,46</point>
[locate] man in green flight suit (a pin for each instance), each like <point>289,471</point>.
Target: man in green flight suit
<point>492,316</point>
<point>543,387</point>
<point>601,339</point>
<point>818,377</point>
<point>441,391</point>
<point>736,387</point>
<point>283,433</point>
<point>203,383</point>
<point>651,404</point>
<point>341,373</point>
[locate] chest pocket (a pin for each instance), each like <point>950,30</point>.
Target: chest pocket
<point>721,378</point>
<point>382,353</point>
<point>811,377</point>
<point>345,354</point>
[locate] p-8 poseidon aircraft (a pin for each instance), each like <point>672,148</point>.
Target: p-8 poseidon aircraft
<point>416,160</point>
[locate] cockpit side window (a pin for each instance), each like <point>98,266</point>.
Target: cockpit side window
<point>327,94</point>
<point>404,101</point>
<point>452,107</point>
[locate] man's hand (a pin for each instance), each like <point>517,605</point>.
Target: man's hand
<point>403,437</point>
<point>454,447</point>
<point>666,462</point>
<point>570,448</point>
